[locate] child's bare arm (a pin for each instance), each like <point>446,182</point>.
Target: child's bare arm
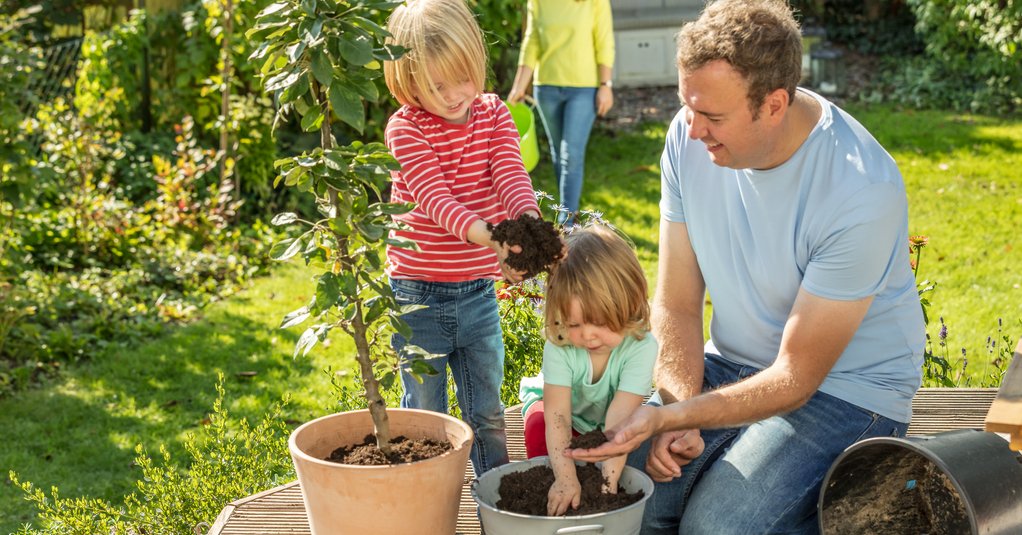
<point>566,490</point>
<point>623,404</point>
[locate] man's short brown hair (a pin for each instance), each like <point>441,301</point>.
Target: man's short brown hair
<point>759,38</point>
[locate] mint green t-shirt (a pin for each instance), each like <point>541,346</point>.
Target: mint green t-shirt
<point>630,369</point>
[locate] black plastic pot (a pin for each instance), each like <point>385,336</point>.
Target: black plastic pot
<point>963,481</point>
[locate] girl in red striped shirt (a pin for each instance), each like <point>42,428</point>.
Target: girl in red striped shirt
<point>461,166</point>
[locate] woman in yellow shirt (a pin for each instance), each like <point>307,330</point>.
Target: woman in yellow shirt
<point>568,55</point>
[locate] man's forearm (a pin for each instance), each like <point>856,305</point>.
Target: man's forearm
<point>679,368</point>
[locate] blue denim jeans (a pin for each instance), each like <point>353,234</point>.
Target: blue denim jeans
<point>761,478</point>
<point>568,114</point>
<point>462,324</point>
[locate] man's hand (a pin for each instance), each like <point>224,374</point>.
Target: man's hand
<point>624,437</point>
<point>670,451</point>
<point>565,492</point>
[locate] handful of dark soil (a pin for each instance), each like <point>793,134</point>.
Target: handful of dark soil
<point>585,441</point>
<point>525,492</point>
<point>541,244</point>
<point>402,450</point>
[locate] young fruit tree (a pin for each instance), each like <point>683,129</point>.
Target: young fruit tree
<point>320,60</point>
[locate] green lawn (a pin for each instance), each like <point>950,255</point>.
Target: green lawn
<point>78,432</point>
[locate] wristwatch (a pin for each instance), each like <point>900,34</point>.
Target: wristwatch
<point>607,83</point>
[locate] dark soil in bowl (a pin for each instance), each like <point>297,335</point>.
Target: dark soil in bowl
<point>525,492</point>
<point>540,242</point>
<point>402,450</point>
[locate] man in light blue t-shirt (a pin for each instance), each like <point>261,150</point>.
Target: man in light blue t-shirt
<point>795,220</point>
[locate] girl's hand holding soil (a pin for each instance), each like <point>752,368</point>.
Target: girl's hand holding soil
<point>534,245</point>
<point>565,492</point>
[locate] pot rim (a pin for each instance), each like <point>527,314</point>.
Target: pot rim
<point>305,457</point>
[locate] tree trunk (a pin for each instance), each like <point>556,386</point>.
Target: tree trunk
<point>377,407</point>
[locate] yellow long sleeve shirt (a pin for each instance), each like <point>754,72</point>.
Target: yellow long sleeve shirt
<point>566,40</point>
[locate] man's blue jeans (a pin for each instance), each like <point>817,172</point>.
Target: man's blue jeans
<point>568,114</point>
<point>462,324</point>
<point>762,478</point>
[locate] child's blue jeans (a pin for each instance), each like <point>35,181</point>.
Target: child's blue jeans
<point>762,478</point>
<point>462,324</point>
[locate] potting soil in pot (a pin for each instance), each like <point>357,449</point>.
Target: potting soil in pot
<point>899,495</point>
<point>525,492</point>
<point>541,244</point>
<point>402,450</point>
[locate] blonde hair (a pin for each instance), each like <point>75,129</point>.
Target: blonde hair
<point>442,35</point>
<point>603,273</point>
<point>759,38</point>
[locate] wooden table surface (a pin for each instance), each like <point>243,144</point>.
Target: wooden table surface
<point>280,510</point>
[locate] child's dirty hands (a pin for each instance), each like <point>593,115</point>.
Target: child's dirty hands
<point>611,470</point>
<point>565,492</point>
<point>510,274</point>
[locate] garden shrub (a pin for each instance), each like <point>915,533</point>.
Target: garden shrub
<point>20,63</point>
<point>521,320</point>
<point>972,59</point>
<point>96,267</point>
<point>228,458</point>
<point>978,44</point>
<point>108,87</point>
<point>501,22</point>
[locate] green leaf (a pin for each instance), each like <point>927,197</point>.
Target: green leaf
<point>401,244</point>
<point>313,119</point>
<point>282,80</point>
<point>285,218</point>
<point>368,25</point>
<point>387,380</point>
<point>309,6</point>
<point>295,318</point>
<point>335,160</point>
<point>348,285</point>
<point>321,67</point>
<point>357,49</point>
<point>340,226</point>
<point>396,208</point>
<point>307,341</point>
<point>421,367</point>
<point>327,290</point>
<point>285,248</point>
<point>347,106</point>
<point>370,231</point>
<point>296,90</point>
<point>401,327</point>
<point>294,50</point>
<point>366,88</point>
<point>389,52</point>
<point>271,9</point>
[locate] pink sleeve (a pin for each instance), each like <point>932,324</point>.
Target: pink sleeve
<point>420,172</point>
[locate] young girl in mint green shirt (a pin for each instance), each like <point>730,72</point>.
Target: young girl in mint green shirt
<point>598,360</point>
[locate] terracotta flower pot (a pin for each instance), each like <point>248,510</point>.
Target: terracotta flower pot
<point>419,497</point>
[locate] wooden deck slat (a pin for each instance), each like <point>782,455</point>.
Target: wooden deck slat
<point>280,511</point>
